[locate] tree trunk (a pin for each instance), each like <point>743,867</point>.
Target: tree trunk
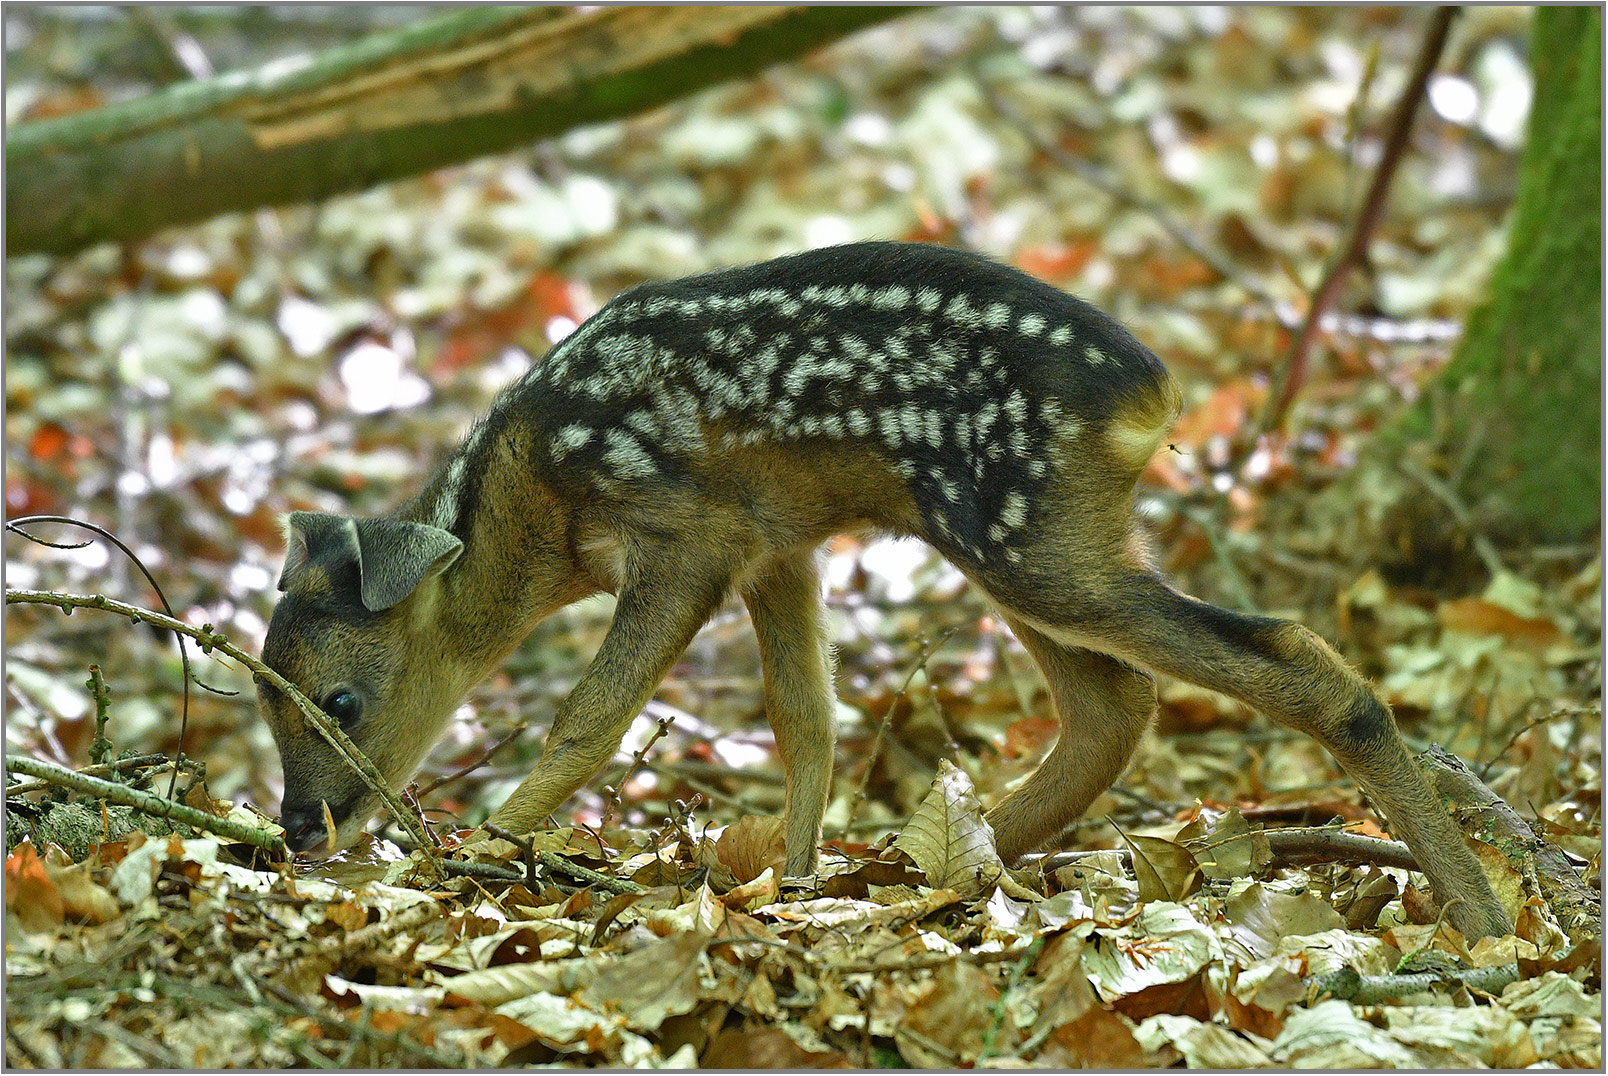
<point>1515,419</point>
<point>441,91</point>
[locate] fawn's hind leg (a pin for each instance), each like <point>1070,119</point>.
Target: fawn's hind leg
<point>1288,673</point>
<point>785,605</point>
<point>1103,705</point>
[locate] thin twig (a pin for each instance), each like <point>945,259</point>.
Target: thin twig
<point>210,640</point>
<point>484,758</point>
<point>15,527</point>
<point>1564,711</point>
<point>673,771</point>
<point>1124,194</point>
<point>147,803</point>
<point>1353,251</point>
<point>495,872</point>
<point>100,747</point>
<point>138,762</point>
<point>611,798</point>
<point>524,846</point>
<point>882,729</point>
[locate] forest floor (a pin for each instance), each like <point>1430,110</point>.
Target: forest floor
<point>187,390</point>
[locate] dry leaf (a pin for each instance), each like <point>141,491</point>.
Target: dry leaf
<point>505,982</point>
<point>655,982</point>
<point>1204,1046</point>
<point>1260,918</point>
<point>31,895</point>
<point>949,1022</point>
<point>1231,849</point>
<point>1164,944</point>
<point>83,899</point>
<point>1165,870</point>
<point>948,837</point>
<point>764,1048</point>
<point>751,845</point>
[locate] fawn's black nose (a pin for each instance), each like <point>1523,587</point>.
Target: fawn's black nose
<point>304,825</point>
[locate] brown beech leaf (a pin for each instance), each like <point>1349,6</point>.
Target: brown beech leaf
<point>949,839</point>
<point>1165,870</point>
<point>751,844</point>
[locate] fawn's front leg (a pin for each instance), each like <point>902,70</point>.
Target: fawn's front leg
<point>660,609</point>
<point>785,606</point>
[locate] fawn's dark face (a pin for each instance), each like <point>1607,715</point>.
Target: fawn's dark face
<point>382,674</point>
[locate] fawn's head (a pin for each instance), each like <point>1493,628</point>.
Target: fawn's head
<point>357,632</point>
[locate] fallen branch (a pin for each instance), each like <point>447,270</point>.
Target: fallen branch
<point>147,803</point>
<point>1291,848</point>
<point>1348,984</point>
<point>211,640</point>
<point>1325,844</point>
<point>559,865</point>
<point>138,762</point>
<point>1578,907</point>
<point>465,83</point>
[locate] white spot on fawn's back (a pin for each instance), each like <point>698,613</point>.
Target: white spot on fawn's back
<point>568,440</point>
<point>626,458</point>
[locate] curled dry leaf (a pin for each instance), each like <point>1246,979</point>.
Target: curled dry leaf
<point>31,894</point>
<point>949,839</point>
<point>505,982</point>
<point>1165,870</point>
<point>750,845</point>
<point>1229,849</point>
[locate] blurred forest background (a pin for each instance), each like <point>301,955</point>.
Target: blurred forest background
<point>1190,170</point>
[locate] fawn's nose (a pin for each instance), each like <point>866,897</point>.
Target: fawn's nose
<point>304,825</point>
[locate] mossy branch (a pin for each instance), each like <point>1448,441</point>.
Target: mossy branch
<point>1349,985</point>
<point>466,83</point>
<point>146,803</point>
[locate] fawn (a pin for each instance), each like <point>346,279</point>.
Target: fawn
<point>705,436</point>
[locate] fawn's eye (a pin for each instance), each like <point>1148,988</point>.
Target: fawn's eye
<point>344,706</point>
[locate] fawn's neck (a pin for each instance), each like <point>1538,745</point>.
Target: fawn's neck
<point>517,566</point>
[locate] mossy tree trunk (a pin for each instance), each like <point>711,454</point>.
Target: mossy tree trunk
<point>1515,419</point>
<point>471,82</point>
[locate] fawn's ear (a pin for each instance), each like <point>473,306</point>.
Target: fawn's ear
<point>394,556</point>
<point>311,536</point>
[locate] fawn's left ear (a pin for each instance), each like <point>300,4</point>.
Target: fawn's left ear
<point>311,536</point>
<point>394,556</point>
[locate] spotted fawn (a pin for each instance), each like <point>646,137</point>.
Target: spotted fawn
<point>703,437</point>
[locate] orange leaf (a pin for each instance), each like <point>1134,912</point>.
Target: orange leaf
<point>1480,617</point>
<point>1055,262</point>
<point>30,894</point>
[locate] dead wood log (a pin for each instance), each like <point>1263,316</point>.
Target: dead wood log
<point>471,82</point>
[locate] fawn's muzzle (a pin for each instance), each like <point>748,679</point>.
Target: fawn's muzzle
<point>304,822</point>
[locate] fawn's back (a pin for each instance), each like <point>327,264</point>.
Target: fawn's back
<point>913,388</point>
